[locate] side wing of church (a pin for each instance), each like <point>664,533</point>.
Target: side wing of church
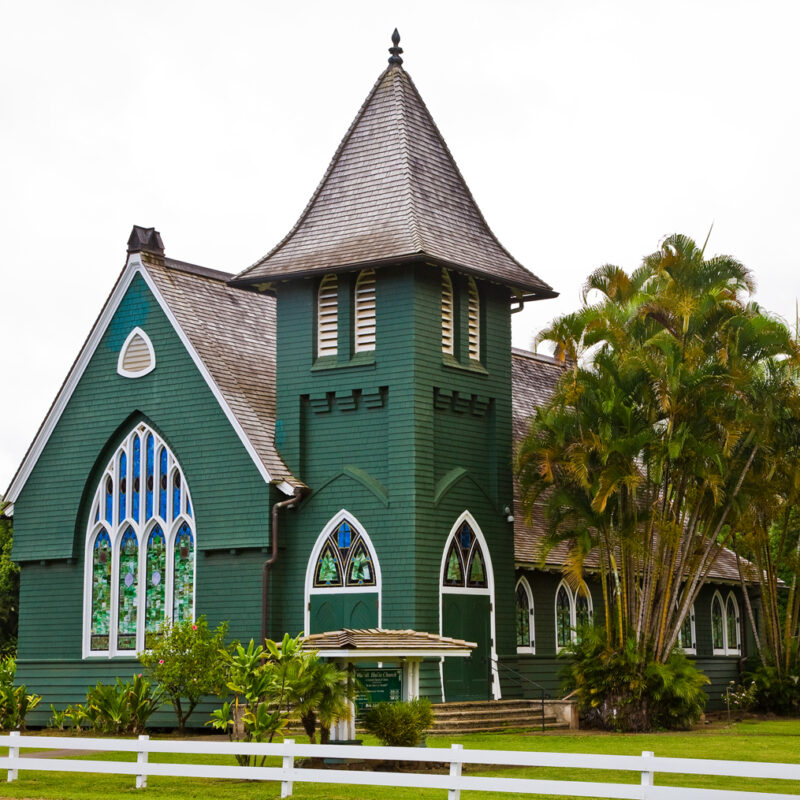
<point>320,443</point>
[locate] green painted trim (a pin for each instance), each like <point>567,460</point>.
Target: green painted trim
<point>365,479</point>
<point>451,479</point>
<point>451,362</point>
<point>365,359</point>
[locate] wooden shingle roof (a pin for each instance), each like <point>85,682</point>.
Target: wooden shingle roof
<point>393,194</point>
<point>371,641</point>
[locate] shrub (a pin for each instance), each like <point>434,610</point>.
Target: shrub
<point>121,707</point>
<point>15,702</point>
<point>400,724</point>
<point>774,691</point>
<point>741,696</point>
<point>623,690</point>
<point>184,661</point>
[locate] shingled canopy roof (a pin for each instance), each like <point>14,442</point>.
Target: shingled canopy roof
<point>393,194</point>
<point>374,643</point>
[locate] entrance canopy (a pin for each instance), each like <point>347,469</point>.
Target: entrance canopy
<point>380,644</point>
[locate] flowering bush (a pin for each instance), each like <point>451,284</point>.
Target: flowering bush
<point>741,696</point>
<point>185,663</point>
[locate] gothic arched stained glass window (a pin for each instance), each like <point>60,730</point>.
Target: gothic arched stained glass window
<point>465,564</point>
<point>140,541</point>
<point>344,560</point>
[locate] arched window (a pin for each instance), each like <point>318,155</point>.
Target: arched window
<point>573,610</point>
<point>448,317</point>
<point>465,564</point>
<point>474,308</point>
<point>328,316</point>
<point>687,637</point>
<point>725,625</point>
<point>140,548</point>
<point>365,311</point>
<point>526,642</point>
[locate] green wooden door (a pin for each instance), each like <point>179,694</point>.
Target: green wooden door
<point>332,611</point>
<point>466,616</point>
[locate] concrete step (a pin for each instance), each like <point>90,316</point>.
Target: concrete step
<point>550,726</point>
<point>491,715</point>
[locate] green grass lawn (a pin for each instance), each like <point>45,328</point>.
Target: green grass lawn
<point>773,740</point>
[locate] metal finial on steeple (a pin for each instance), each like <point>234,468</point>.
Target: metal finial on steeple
<point>396,50</point>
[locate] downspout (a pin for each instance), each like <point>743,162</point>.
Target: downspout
<point>299,493</point>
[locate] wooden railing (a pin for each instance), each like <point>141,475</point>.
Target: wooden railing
<point>647,765</point>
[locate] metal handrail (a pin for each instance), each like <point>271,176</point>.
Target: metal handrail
<point>519,679</point>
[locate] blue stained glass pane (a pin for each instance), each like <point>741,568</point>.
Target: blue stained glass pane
<point>137,473</point>
<point>109,500</point>
<point>162,484</point>
<point>466,536</point>
<point>188,506</point>
<point>345,532</point>
<point>176,494</point>
<point>123,484</point>
<point>149,480</point>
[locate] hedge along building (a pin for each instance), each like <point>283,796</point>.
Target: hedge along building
<point>321,442</point>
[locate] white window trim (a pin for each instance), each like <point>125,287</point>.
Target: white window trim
<point>142,531</point>
<point>573,613</point>
<point>311,567</point>
<point>127,373</point>
<point>328,345</point>
<point>530,648</point>
<point>726,649</point>
<point>691,650</point>
<point>489,590</point>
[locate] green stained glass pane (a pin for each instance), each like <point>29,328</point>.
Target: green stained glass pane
<point>563,622</point>
<point>583,616</point>
<point>523,616</point>
<point>155,589</point>
<point>730,619</point>
<point>327,569</point>
<point>183,592</point>
<point>454,573</point>
<point>716,625</point>
<point>361,567</point>
<point>477,571</point>
<point>128,590</point>
<point>686,632</point>
<point>101,591</point>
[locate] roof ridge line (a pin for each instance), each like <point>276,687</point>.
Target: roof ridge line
<point>328,172</point>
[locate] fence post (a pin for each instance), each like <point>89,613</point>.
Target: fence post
<point>647,774</point>
<point>13,752</point>
<point>288,763</point>
<point>141,760</point>
<point>454,793</point>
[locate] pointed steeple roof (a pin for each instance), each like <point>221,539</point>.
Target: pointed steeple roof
<point>392,194</point>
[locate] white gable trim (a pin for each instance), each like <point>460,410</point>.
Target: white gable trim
<point>132,268</point>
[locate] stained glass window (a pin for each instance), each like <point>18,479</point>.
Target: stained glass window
<point>137,471</point>
<point>123,485</point>
<point>162,483</point>
<point>155,607</point>
<point>731,622</point>
<point>717,628</point>
<point>523,616</point>
<point>128,590</point>
<point>101,591</point>
<point>465,564</point>
<point>345,559</point>
<point>687,634</point>
<point>150,478</point>
<point>183,585</point>
<point>138,542</point>
<point>563,616</point>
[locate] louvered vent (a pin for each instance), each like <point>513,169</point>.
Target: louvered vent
<point>365,311</point>
<point>137,357</point>
<point>474,321</point>
<point>328,316</point>
<point>447,314</point>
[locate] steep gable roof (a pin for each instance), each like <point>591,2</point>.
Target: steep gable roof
<point>393,193</point>
<point>230,335</point>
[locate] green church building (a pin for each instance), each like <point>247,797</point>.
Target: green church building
<point>320,443</point>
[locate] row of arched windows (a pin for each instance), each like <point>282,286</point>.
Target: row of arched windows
<point>140,548</point>
<point>365,320</point>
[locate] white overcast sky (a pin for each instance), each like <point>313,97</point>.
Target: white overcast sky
<point>587,131</point>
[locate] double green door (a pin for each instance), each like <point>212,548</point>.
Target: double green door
<point>466,616</point>
<point>334,611</point>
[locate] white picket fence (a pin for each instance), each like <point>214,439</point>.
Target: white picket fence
<point>453,783</point>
